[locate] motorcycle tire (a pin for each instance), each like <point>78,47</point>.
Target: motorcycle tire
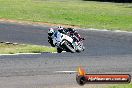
<point>69,47</point>
<point>59,50</point>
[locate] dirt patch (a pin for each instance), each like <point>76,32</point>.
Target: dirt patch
<point>38,23</point>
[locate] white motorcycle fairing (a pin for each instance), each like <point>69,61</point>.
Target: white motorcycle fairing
<point>59,37</point>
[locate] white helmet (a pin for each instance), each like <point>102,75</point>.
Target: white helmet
<point>51,31</point>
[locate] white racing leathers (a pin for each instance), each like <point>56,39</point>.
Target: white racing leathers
<point>64,42</point>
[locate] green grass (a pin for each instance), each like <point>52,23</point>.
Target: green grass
<point>26,48</point>
<point>121,86</point>
<point>72,12</point>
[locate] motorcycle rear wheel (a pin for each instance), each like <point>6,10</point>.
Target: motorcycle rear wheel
<point>59,50</point>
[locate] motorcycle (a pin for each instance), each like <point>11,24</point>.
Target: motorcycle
<point>66,43</point>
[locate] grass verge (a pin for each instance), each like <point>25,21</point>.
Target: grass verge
<point>121,86</point>
<point>88,14</point>
<point>24,48</point>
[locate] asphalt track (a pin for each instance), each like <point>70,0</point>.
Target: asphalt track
<point>106,52</point>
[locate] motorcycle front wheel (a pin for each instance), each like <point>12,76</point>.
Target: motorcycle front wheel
<point>69,47</point>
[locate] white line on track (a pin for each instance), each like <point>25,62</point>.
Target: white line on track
<point>65,71</point>
<point>20,54</point>
<point>26,54</point>
<point>56,52</point>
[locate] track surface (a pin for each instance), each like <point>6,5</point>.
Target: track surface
<point>106,52</point>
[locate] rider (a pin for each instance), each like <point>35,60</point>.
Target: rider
<point>70,32</point>
<point>67,31</point>
<point>50,36</point>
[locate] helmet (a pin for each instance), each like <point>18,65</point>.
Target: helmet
<point>50,31</point>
